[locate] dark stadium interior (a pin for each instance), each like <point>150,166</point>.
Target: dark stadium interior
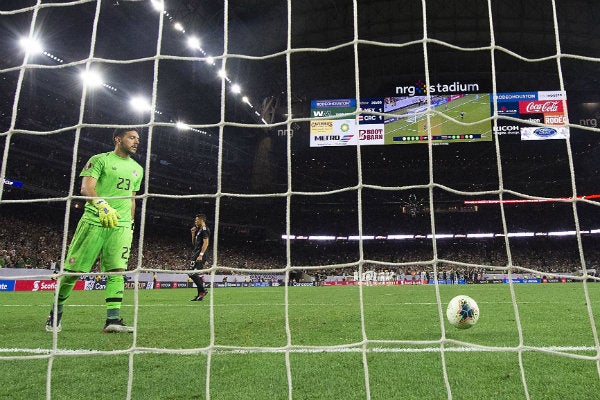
<point>388,185</point>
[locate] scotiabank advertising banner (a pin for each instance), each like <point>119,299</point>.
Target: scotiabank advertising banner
<point>27,285</point>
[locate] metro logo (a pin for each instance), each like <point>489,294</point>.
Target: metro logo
<point>537,107</point>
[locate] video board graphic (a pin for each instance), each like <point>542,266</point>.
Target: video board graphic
<point>449,118</point>
<point>405,121</point>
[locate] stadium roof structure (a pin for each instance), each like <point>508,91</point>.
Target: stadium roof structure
<point>323,55</point>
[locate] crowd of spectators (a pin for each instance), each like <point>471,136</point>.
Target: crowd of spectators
<point>31,242</point>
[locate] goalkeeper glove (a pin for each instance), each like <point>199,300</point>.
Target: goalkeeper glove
<point>109,217</point>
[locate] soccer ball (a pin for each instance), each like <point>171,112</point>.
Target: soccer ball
<point>462,312</point>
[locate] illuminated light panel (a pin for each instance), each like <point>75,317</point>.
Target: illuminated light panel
<point>562,233</point>
<point>448,235</point>
<point>400,237</point>
<point>321,237</point>
<point>480,235</point>
<point>518,201</point>
<point>358,237</point>
<point>441,236</point>
<point>521,234</point>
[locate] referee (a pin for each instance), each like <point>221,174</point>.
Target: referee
<point>200,241</point>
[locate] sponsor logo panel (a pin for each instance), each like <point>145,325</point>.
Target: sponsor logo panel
<point>7,286</point>
<point>331,112</point>
<point>515,96</point>
<point>371,134</point>
<point>321,127</point>
<point>552,95</point>
<point>334,103</point>
<point>544,133</point>
<point>537,118</point>
<point>340,132</point>
<point>541,107</point>
<point>555,119</point>
<point>507,130</point>
<point>30,285</point>
<point>508,109</point>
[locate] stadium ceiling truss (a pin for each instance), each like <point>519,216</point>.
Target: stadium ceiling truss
<point>525,28</point>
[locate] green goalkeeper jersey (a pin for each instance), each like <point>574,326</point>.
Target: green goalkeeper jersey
<point>116,176</point>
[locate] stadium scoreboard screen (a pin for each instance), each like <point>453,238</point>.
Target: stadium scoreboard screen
<point>453,118</point>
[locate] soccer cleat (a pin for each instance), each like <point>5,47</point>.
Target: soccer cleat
<point>50,322</point>
<point>200,296</point>
<point>116,326</point>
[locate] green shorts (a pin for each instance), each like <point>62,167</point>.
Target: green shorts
<point>113,245</point>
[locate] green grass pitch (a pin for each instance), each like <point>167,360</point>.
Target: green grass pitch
<point>401,326</point>
<point>476,107</point>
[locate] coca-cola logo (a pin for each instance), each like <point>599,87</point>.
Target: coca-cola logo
<point>541,107</point>
<point>548,106</point>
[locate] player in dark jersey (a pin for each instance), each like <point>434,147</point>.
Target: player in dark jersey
<point>106,227</point>
<point>200,241</point>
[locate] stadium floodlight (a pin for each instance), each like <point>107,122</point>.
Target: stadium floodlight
<point>158,5</point>
<point>246,100</point>
<point>31,46</point>
<point>235,88</point>
<point>210,60</point>
<point>179,27</point>
<point>193,43</point>
<point>182,126</point>
<point>91,78</point>
<point>140,104</point>
<point>222,73</point>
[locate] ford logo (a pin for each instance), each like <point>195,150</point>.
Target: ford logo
<point>545,132</point>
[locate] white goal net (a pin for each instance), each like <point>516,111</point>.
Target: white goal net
<point>360,164</point>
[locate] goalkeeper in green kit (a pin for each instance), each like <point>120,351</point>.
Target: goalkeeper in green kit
<point>106,227</point>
